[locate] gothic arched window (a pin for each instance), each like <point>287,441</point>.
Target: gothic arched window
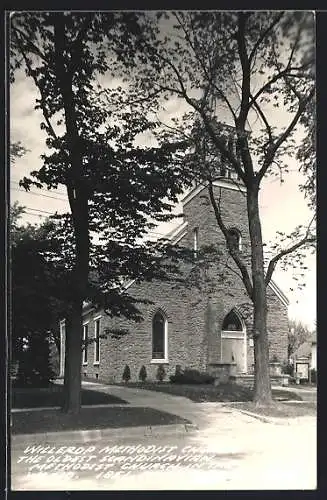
<point>234,239</point>
<point>159,337</point>
<point>232,323</point>
<point>195,242</point>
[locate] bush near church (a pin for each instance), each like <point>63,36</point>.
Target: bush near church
<point>190,376</point>
<point>313,375</point>
<point>143,374</point>
<point>34,368</point>
<point>126,374</point>
<point>161,373</point>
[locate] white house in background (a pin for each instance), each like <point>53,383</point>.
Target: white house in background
<point>305,357</point>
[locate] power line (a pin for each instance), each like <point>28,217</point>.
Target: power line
<point>36,215</point>
<point>39,194</point>
<point>39,210</point>
<point>17,183</point>
<point>39,213</point>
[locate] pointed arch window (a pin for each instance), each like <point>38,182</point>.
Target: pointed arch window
<point>232,323</point>
<point>234,341</point>
<point>159,338</point>
<point>235,239</point>
<point>195,242</point>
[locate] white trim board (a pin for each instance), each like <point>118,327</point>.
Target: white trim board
<point>282,297</point>
<point>223,183</point>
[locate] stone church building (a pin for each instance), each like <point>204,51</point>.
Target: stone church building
<point>208,329</point>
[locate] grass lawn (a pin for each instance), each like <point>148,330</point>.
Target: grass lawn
<point>303,386</point>
<point>53,396</point>
<point>90,418</point>
<point>210,393</point>
<point>281,410</point>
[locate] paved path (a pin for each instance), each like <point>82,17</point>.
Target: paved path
<point>307,393</point>
<point>201,414</point>
<point>250,454</point>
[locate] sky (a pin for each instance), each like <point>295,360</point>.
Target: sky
<point>282,205</point>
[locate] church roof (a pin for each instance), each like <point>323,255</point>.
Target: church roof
<point>303,351</point>
<point>224,182</point>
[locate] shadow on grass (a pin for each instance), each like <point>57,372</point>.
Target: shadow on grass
<point>209,393</point>
<point>53,396</point>
<point>288,409</point>
<point>91,418</point>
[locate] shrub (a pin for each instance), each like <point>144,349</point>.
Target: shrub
<point>34,368</point>
<point>178,370</point>
<point>126,373</point>
<point>313,373</point>
<point>161,373</point>
<point>288,369</point>
<point>190,376</point>
<point>143,375</point>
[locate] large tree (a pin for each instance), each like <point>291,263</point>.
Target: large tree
<point>115,188</point>
<point>227,68</point>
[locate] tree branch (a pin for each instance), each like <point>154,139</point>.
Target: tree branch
<point>27,39</point>
<point>209,78</point>
<point>285,72</point>
<point>273,262</point>
<point>241,119</point>
<point>264,119</point>
<point>274,147</point>
<point>263,36</point>
<point>234,253</point>
<point>233,270</point>
<point>42,100</point>
<point>207,122</point>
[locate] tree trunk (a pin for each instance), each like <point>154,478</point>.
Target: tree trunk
<point>78,200</point>
<point>73,354</point>
<point>262,385</point>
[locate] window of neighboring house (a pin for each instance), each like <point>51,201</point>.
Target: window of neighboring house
<point>235,239</point>
<point>97,341</point>
<point>195,241</point>
<point>85,342</point>
<point>159,337</point>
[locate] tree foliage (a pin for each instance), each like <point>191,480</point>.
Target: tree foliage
<point>297,335</point>
<point>114,186</point>
<point>226,68</point>
<point>35,364</point>
<point>37,284</point>
<point>237,74</point>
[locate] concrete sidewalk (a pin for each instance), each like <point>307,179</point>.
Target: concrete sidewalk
<point>209,418</point>
<point>200,414</point>
<point>250,454</point>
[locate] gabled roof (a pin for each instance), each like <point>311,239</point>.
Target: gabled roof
<point>177,234</point>
<point>180,231</point>
<point>232,184</point>
<point>281,295</point>
<point>303,351</point>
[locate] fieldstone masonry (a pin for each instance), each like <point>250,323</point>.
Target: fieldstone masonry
<point>194,316</point>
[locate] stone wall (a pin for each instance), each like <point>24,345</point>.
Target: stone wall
<point>194,315</point>
<point>135,348</point>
